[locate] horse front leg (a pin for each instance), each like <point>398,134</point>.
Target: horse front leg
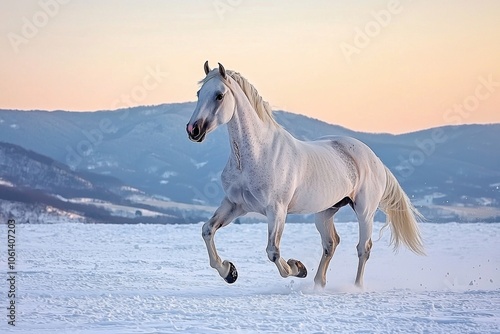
<point>276,221</point>
<point>224,215</point>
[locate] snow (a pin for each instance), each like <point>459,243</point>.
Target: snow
<point>166,203</point>
<point>61,198</point>
<point>168,174</point>
<point>82,278</point>
<point>6,183</point>
<point>36,213</point>
<point>200,164</point>
<point>428,200</point>
<point>131,189</point>
<point>197,164</point>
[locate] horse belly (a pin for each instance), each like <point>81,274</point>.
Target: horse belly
<point>309,200</point>
<point>308,206</point>
<point>326,182</point>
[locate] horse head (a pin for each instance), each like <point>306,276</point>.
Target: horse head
<point>215,106</point>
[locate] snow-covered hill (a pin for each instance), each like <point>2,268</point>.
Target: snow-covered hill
<point>449,169</point>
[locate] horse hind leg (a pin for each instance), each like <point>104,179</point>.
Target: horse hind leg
<point>365,213</point>
<point>364,248</point>
<point>329,240</point>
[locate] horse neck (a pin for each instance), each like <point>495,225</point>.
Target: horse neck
<point>248,134</point>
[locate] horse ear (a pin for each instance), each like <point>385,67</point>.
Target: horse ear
<point>206,68</point>
<point>222,71</point>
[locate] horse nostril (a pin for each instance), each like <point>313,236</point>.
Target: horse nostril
<point>196,131</point>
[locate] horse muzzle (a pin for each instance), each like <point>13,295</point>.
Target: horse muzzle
<point>197,131</point>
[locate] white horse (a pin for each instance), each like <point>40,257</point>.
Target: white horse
<point>272,173</point>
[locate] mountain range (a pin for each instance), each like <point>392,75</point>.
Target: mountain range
<point>140,158</point>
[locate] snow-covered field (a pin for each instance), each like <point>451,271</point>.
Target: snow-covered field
<point>77,278</point>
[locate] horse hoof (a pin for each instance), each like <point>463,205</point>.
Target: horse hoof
<point>302,271</point>
<point>319,284</point>
<point>232,275</point>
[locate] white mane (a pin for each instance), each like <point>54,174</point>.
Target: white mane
<point>260,106</point>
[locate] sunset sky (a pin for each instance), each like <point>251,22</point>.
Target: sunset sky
<point>377,66</point>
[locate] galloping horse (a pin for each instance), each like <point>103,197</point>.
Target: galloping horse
<point>272,173</point>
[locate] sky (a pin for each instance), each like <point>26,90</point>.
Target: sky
<point>376,66</point>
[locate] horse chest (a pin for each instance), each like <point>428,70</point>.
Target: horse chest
<point>247,189</point>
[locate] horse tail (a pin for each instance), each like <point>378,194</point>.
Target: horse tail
<point>402,216</point>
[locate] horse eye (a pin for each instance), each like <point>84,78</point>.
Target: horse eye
<point>219,97</point>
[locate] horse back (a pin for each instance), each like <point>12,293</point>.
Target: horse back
<point>357,158</point>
